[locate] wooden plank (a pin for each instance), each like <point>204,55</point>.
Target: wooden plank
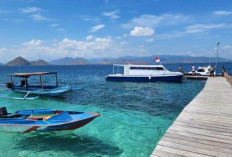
<point>205,132</point>
<point>205,137</point>
<point>163,153</point>
<point>179,152</point>
<point>193,149</point>
<point>199,140</point>
<point>204,127</point>
<point>200,126</point>
<point>197,144</point>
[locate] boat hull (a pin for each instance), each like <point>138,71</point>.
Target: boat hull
<point>43,93</point>
<point>58,91</point>
<point>42,128</point>
<point>45,120</point>
<point>124,78</point>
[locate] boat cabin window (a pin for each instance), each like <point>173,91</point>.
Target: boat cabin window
<point>146,68</point>
<point>200,70</point>
<point>159,68</point>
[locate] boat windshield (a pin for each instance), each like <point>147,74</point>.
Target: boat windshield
<point>201,70</point>
<point>146,68</point>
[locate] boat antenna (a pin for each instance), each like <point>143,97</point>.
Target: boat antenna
<point>209,59</point>
<point>217,58</point>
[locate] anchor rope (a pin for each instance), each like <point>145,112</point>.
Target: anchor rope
<point>158,129</point>
<point>137,126</point>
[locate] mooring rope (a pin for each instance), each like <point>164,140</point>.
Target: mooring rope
<point>158,130</point>
<point>136,126</point>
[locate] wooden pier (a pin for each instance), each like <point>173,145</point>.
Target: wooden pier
<point>204,127</point>
<point>191,77</point>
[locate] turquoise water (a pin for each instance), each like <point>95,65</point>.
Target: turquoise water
<point>124,106</point>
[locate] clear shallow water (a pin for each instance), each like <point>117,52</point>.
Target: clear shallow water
<point>140,104</point>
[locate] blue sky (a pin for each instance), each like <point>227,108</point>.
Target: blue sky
<point>52,29</point>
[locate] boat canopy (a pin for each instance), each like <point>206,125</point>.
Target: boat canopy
<point>26,75</point>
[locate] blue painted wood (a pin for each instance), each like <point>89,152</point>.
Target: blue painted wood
<point>22,121</point>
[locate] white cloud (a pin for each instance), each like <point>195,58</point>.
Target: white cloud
<point>227,47</point>
<point>149,40</point>
<point>32,43</point>
<point>92,19</point>
<point>142,31</point>
<point>97,28</point>
<point>38,17</point>
<point>198,28</point>
<point>54,25</point>
<point>222,12</point>
<point>61,30</point>
<point>148,20</point>
<point>192,29</point>
<point>13,20</point>
<point>30,10</point>
<point>112,14</point>
<point>89,37</point>
<point>125,35</point>
<point>124,43</point>
<point>49,50</point>
<point>87,19</point>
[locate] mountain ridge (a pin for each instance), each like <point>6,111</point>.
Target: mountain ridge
<point>141,60</point>
<point>22,61</point>
<point>119,60</point>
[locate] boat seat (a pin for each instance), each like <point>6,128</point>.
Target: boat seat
<point>41,116</point>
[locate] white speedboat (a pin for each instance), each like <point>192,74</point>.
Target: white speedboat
<point>204,71</point>
<point>144,73</point>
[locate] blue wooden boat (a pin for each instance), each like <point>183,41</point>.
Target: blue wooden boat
<point>37,89</point>
<point>44,120</point>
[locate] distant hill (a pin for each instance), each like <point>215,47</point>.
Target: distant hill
<point>105,62</point>
<point>21,61</point>
<point>119,60</point>
<point>137,60</point>
<point>69,61</point>
<point>39,62</point>
<point>18,61</point>
<point>169,59</point>
<point>163,59</point>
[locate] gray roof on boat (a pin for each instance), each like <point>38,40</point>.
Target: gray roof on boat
<point>30,74</point>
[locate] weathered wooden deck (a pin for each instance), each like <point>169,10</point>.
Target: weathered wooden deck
<point>189,77</point>
<point>204,127</point>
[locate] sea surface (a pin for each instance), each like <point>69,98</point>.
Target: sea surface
<point>131,113</point>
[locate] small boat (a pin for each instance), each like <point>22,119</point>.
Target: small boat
<point>144,73</point>
<point>37,89</point>
<point>203,71</point>
<point>43,120</point>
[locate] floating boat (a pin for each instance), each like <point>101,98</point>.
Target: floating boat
<point>203,71</point>
<point>144,73</point>
<point>44,120</point>
<point>37,89</point>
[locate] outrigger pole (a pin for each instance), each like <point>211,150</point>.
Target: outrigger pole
<point>56,81</point>
<point>11,79</point>
<point>24,98</point>
<point>41,81</point>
